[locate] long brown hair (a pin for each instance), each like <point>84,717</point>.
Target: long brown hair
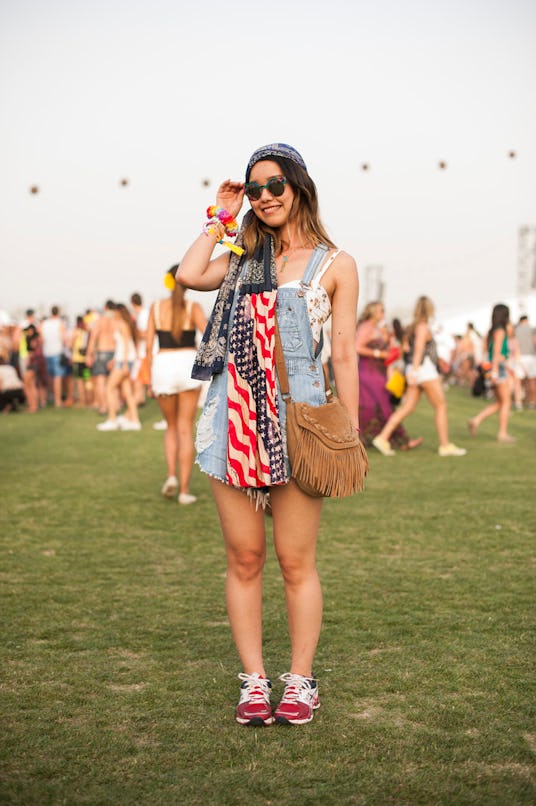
<point>424,310</point>
<point>500,317</point>
<point>304,212</point>
<point>178,306</point>
<point>124,313</point>
<point>369,311</point>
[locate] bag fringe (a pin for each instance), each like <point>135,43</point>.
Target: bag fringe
<point>329,473</point>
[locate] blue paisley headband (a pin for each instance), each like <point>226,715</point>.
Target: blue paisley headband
<point>275,150</point>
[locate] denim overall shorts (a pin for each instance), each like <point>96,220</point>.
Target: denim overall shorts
<point>304,369</point>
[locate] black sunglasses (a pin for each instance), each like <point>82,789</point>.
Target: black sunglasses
<point>275,186</point>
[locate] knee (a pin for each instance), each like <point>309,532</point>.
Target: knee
<point>185,429</point>
<point>295,570</point>
<point>246,565</point>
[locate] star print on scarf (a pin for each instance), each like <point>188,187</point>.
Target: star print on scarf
<point>255,455</point>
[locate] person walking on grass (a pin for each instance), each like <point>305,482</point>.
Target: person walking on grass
<point>372,346</point>
<point>290,264</point>
<point>422,375</point>
<point>120,386</point>
<point>501,378</point>
<point>173,322</point>
<point>29,344</point>
<point>100,352</point>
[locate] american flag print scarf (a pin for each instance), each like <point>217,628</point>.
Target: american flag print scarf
<point>255,453</point>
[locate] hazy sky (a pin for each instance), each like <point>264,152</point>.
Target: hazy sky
<point>168,94</point>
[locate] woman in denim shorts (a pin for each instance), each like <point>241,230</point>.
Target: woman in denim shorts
<point>422,375</point>
<point>289,264</point>
<point>501,379</point>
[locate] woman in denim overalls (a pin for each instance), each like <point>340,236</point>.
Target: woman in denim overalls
<point>285,219</point>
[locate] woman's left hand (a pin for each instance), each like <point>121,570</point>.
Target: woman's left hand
<point>230,196</point>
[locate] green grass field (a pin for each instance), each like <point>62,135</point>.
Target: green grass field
<point>118,672</point>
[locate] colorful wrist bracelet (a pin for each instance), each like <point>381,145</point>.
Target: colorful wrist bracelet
<point>219,216</point>
<point>231,227</point>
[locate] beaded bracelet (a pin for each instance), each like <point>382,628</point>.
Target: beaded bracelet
<point>219,217</point>
<point>214,228</point>
<point>231,227</point>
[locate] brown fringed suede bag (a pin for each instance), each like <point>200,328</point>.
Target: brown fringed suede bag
<point>327,458</point>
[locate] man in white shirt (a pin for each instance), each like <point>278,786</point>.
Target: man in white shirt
<point>54,336</point>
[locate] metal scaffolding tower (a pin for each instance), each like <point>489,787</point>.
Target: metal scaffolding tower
<point>374,285</point>
<point>526,264</point>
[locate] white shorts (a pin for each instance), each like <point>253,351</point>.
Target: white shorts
<point>528,362</point>
<point>426,372</point>
<point>171,372</point>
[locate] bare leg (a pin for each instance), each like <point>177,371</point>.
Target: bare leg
<point>504,398</point>
<point>127,392</point>
<point>30,390</point>
<point>436,396</point>
<point>139,392</point>
<point>185,428</point>
<point>57,383</point>
<point>101,396</point>
<point>69,390</point>
<point>245,545</point>
<point>296,519</point>
<point>169,406</point>
<point>407,407</point>
<point>81,391</point>
<point>531,391</point>
<point>487,411</point>
<point>112,386</point>
<point>42,395</point>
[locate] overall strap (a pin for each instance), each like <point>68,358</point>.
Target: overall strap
<point>314,262</point>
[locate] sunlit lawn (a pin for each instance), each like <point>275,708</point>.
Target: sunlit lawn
<point>118,673</point>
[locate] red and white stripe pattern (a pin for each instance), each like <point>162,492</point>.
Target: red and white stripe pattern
<point>255,456</point>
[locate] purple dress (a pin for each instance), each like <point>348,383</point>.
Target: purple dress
<point>375,405</point>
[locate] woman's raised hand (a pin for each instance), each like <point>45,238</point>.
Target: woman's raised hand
<point>230,196</point>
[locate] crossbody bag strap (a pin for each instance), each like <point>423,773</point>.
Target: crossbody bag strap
<point>280,364</point>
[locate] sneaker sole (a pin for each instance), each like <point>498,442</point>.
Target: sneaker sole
<point>256,722</point>
<point>283,720</point>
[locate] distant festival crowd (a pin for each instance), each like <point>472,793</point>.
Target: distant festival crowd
<point>102,362</point>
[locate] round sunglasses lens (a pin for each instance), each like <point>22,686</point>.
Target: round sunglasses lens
<point>253,191</point>
<point>276,187</point>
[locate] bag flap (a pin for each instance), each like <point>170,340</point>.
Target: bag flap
<point>330,422</point>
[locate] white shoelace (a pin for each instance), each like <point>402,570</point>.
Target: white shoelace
<point>297,688</point>
<point>257,689</point>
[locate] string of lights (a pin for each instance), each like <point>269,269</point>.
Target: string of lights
<point>124,182</point>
